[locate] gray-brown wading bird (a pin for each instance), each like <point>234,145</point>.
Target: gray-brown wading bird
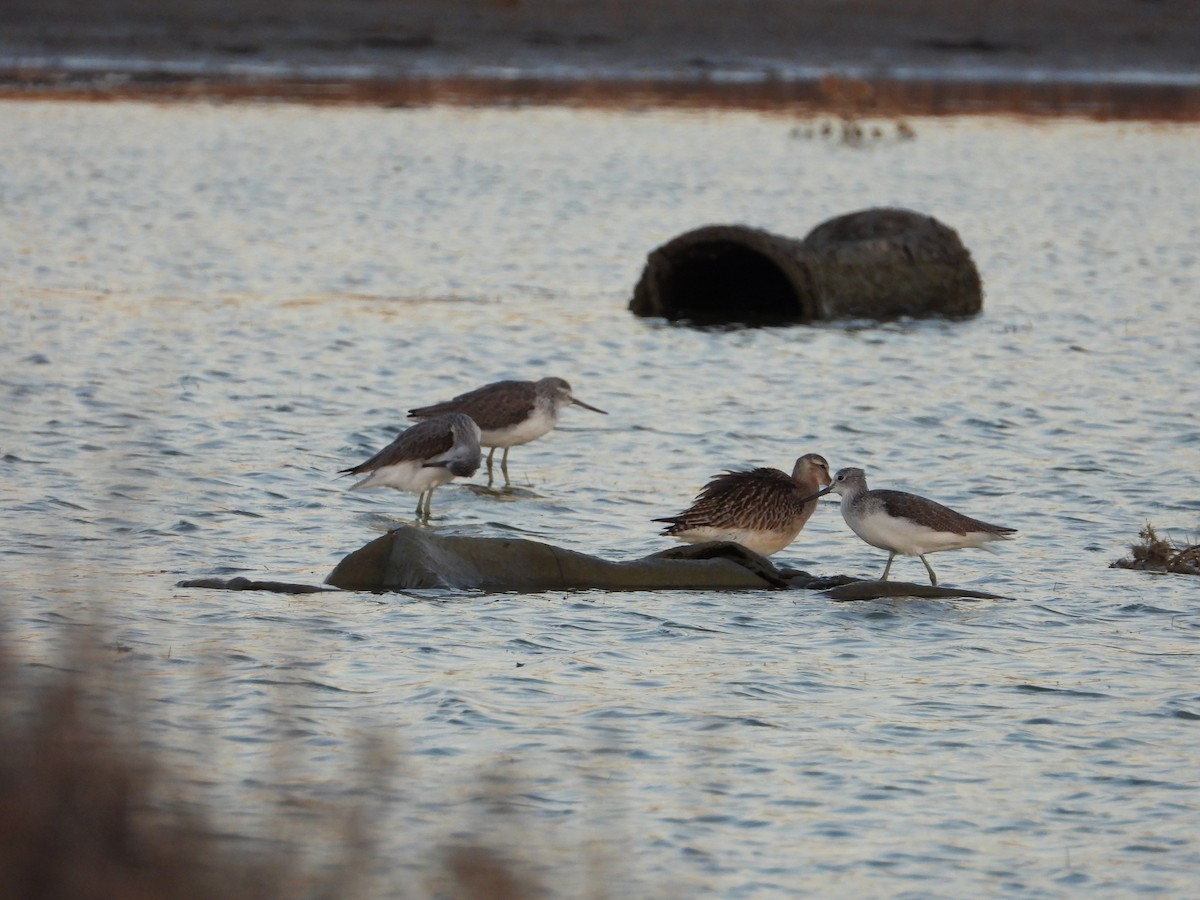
<point>509,413</point>
<point>761,509</point>
<point>424,457</point>
<point>906,523</point>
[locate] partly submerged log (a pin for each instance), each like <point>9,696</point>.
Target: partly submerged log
<point>874,263</point>
<point>415,558</point>
<point>723,273</point>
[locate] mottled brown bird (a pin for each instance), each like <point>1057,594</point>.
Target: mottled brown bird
<point>761,509</point>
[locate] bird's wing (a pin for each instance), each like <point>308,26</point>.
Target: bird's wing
<point>932,514</point>
<point>421,442</point>
<point>491,406</point>
<point>732,499</point>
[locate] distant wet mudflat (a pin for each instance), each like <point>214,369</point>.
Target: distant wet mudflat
<point>209,310</point>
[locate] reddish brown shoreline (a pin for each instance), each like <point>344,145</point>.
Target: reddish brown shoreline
<point>1106,59</point>
<point>850,98</point>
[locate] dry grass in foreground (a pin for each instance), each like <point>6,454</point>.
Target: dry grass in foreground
<point>87,813</point>
<point>1155,554</point>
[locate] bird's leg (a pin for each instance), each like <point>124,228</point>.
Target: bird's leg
<point>420,498</point>
<point>491,453</point>
<point>888,567</point>
<point>504,466</point>
<point>428,504</point>
<point>932,577</point>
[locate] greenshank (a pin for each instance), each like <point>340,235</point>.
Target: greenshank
<point>509,413</point>
<point>905,523</point>
<point>422,458</point>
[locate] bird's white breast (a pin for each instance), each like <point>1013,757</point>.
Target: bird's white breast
<point>530,429</point>
<point>406,476</point>
<point>886,532</point>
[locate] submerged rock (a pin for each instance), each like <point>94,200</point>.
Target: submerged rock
<point>241,583</point>
<point>414,558</point>
<point>409,558</point>
<point>874,263</point>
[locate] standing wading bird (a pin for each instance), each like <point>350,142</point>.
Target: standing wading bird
<point>509,413</point>
<point>762,509</point>
<point>905,523</point>
<point>424,457</point>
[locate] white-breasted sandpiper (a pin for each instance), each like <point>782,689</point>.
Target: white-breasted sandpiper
<point>509,413</point>
<point>907,524</point>
<point>424,457</point>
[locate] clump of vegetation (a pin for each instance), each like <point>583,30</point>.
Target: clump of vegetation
<point>1157,554</point>
<point>89,813</point>
<point>83,815</point>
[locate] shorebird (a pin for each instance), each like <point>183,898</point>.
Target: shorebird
<point>761,509</point>
<point>423,457</point>
<point>905,523</point>
<point>509,413</point>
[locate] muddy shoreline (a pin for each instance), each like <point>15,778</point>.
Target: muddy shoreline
<point>1115,59</point>
<point>878,98</point>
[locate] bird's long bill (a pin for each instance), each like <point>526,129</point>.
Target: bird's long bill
<point>576,401</point>
<point>821,493</point>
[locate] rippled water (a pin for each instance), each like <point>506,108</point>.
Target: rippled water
<point>208,310</point>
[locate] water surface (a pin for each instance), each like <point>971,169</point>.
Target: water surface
<point>209,310</point>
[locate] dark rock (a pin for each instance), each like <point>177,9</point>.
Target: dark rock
<point>875,263</point>
<point>877,590</point>
<point>416,558</point>
<point>413,558</point>
<point>241,583</point>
